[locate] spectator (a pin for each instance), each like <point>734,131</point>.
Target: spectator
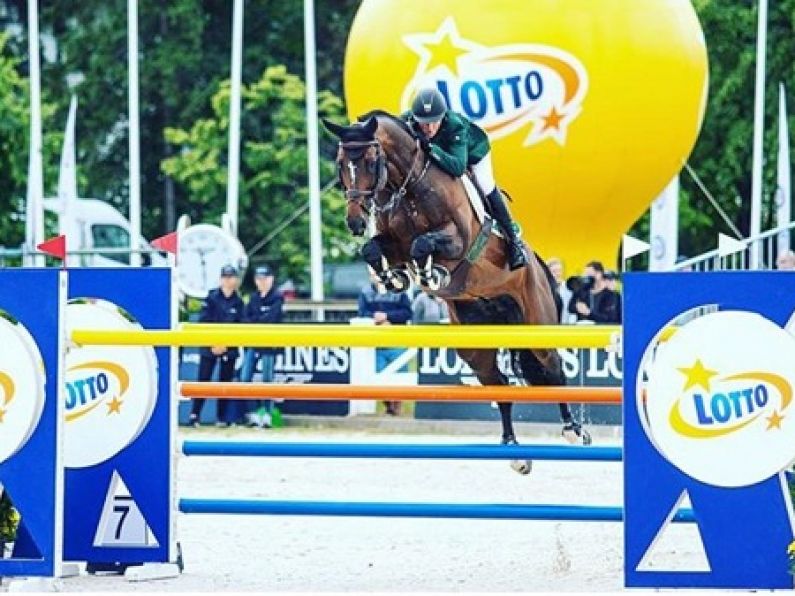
<point>222,305</point>
<point>555,266</point>
<point>429,309</point>
<point>592,300</point>
<point>385,308</point>
<point>611,280</point>
<point>786,261</point>
<point>264,306</point>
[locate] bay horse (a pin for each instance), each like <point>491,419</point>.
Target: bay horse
<point>427,229</point>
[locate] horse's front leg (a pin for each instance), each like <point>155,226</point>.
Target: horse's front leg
<point>378,252</point>
<point>443,243</point>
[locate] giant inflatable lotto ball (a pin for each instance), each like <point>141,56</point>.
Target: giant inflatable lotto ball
<point>591,106</point>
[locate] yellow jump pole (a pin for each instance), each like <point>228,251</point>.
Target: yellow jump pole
<point>421,336</point>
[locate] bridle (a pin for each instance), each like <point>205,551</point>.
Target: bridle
<point>365,199</point>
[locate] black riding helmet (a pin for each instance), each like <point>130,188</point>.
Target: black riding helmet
<point>429,105</point>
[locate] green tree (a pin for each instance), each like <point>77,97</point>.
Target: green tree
<point>185,48</point>
<point>14,143</point>
<point>91,62</point>
<point>273,182</point>
<point>722,157</point>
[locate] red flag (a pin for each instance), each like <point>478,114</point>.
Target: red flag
<point>55,247</point>
<point>167,243</point>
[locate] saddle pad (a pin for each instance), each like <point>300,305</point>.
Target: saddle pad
<point>477,203</point>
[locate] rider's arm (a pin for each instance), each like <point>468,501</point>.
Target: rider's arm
<point>365,307</point>
<point>208,312</point>
<point>453,158</point>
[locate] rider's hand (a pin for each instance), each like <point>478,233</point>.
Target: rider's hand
<point>425,144</point>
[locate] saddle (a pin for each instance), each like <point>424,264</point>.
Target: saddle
<point>477,198</point>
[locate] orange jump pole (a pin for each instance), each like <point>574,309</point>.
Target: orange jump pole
<point>461,393</point>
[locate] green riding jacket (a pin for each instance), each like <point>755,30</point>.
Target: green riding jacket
<point>458,144</point>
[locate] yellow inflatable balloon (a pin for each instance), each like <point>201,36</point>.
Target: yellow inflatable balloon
<point>592,106</point>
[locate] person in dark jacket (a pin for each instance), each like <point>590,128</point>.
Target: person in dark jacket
<point>593,300</point>
<point>264,306</point>
<point>222,305</point>
<point>385,308</point>
<point>454,143</point>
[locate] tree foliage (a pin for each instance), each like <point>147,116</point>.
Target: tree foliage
<point>14,142</point>
<point>722,156</point>
<point>185,47</point>
<point>273,188</point>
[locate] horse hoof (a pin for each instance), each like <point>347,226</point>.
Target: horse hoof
<point>397,281</point>
<point>576,434</point>
<point>401,280</point>
<point>522,467</point>
<point>442,276</point>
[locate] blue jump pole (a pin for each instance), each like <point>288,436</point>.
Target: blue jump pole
<point>401,451</point>
<point>426,510</point>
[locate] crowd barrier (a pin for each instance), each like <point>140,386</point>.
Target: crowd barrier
<point>743,528</point>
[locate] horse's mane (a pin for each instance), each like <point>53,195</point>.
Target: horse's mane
<point>399,122</point>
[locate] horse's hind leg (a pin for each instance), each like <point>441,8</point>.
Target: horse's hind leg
<point>543,367</point>
<point>484,364</point>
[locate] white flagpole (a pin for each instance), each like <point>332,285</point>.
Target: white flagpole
<point>664,232</point>
<point>134,132</point>
<point>759,116</point>
<point>232,195</point>
<point>34,208</point>
<point>315,225</point>
<point>67,179</point>
<point>784,187</point>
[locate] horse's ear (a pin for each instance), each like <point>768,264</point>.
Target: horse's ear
<point>333,128</point>
<point>370,126</point>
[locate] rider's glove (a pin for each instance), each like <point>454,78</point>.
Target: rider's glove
<point>425,144</point>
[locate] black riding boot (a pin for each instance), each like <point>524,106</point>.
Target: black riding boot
<point>516,256</point>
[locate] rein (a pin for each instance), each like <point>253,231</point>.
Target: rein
<point>396,196</point>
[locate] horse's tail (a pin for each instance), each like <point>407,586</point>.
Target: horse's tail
<point>553,286</point>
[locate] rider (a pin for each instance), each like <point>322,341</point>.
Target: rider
<point>453,142</point>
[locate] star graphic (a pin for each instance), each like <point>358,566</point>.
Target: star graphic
<point>114,405</point>
<point>774,420</point>
<point>552,119</point>
<point>697,375</point>
<point>445,53</point>
<point>443,47</point>
<point>2,415</point>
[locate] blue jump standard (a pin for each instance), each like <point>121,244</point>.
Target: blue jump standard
<point>427,510</point>
<point>399,451</point>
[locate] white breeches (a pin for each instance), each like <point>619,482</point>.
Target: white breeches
<point>484,174</point>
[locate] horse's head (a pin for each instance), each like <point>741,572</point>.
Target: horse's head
<point>361,166</point>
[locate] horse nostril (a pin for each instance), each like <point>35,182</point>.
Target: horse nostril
<point>356,226</point>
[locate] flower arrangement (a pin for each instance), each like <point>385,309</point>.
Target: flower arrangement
<point>9,520</point>
<point>791,547</point>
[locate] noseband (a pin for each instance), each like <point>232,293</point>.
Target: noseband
<point>366,198</point>
<point>354,150</point>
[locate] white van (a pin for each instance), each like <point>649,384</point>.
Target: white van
<point>97,225</point>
